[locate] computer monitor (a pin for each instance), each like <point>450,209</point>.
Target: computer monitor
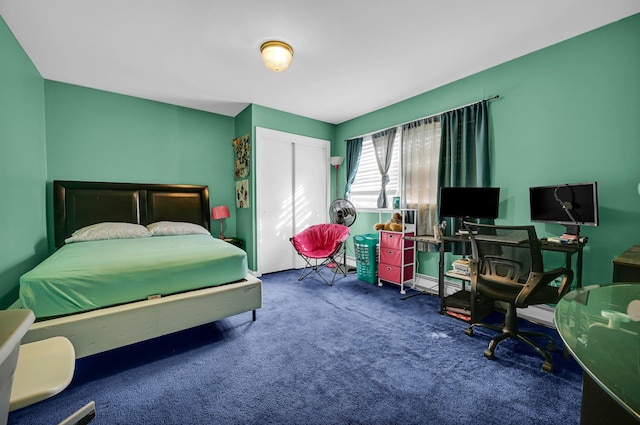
<point>572,205</point>
<point>469,202</point>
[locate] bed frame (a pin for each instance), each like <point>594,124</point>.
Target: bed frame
<point>78,204</point>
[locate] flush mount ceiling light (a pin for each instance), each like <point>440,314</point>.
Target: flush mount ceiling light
<point>276,55</point>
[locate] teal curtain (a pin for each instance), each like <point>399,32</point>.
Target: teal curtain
<point>383,147</point>
<point>464,151</point>
<point>354,149</point>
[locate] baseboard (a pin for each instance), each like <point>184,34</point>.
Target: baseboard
<point>428,284</point>
<point>540,314</point>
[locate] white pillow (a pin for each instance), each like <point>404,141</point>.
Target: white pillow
<point>102,231</point>
<point>172,228</point>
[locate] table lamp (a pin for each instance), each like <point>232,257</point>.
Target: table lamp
<point>220,213</point>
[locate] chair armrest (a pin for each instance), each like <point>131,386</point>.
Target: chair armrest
<point>539,280</point>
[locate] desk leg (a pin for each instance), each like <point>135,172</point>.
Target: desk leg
<point>441,293</point>
<point>579,271</point>
<point>440,278</point>
<point>569,265</point>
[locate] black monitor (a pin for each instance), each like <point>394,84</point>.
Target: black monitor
<point>572,205</point>
<point>469,202</point>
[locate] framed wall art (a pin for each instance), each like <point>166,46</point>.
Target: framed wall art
<point>242,193</point>
<point>242,151</point>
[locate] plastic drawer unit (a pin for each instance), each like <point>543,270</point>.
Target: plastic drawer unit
<point>396,263</point>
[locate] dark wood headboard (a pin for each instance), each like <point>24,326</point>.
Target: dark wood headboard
<point>78,204</point>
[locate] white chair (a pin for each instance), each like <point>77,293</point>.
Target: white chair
<point>33,372</point>
<point>44,369</point>
<point>14,324</point>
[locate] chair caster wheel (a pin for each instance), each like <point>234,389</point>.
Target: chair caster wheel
<point>547,367</point>
<point>489,354</point>
<point>469,331</point>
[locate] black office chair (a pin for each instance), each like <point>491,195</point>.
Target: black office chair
<point>507,266</point>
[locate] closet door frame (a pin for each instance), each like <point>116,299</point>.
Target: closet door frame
<point>285,177</point>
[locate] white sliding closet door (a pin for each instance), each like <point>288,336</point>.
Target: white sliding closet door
<point>292,193</point>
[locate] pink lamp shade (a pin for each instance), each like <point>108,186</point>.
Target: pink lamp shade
<point>220,213</point>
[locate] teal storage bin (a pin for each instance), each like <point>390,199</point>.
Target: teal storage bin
<point>366,247</point>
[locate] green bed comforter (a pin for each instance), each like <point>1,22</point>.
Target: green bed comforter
<point>89,275</point>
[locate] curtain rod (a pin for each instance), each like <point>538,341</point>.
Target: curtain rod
<point>497,96</point>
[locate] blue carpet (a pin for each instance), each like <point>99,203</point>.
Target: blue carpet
<point>354,353</point>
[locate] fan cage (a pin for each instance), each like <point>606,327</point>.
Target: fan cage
<point>343,212</point>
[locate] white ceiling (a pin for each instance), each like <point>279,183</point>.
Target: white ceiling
<point>351,57</point>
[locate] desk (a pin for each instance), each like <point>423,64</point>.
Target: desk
<point>626,267</point>
<point>600,326</point>
<point>460,302</point>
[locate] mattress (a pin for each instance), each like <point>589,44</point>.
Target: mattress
<point>86,276</point>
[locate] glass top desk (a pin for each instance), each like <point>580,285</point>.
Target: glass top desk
<point>600,326</point>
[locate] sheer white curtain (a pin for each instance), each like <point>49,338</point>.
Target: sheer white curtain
<point>420,155</point>
<point>383,146</point>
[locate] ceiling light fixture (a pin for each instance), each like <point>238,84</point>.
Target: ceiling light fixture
<point>276,55</point>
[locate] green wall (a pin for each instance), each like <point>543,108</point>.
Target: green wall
<point>100,136</point>
<point>566,114</point>
<point>23,166</point>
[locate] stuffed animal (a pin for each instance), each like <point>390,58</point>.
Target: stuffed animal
<point>394,224</point>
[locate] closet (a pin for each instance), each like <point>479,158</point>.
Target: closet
<point>292,193</point>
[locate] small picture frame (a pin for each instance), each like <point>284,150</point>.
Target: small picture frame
<point>242,193</point>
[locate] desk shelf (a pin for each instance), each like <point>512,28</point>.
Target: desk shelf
<point>459,302</point>
<point>460,276</point>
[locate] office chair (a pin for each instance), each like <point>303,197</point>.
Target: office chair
<point>506,265</point>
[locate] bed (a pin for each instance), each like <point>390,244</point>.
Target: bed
<point>124,291</point>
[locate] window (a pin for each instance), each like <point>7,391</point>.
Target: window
<point>366,186</point>
<point>413,172</point>
<point>416,155</point>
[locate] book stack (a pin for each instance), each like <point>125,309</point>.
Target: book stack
<point>462,316</point>
<point>461,266</point>
<point>568,239</point>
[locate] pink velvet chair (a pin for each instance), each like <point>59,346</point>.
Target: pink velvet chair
<point>319,245</point>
